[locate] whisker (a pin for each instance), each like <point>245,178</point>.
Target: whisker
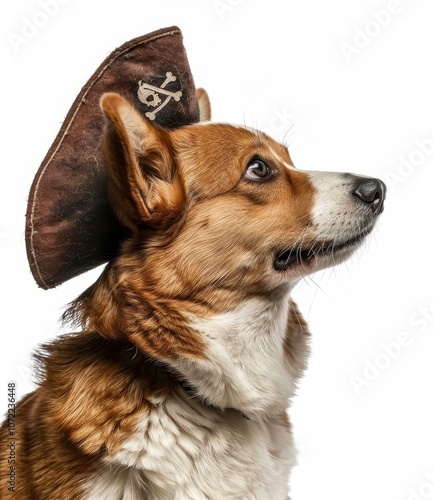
<point>288,138</point>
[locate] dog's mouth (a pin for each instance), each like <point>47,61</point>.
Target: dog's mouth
<point>293,256</point>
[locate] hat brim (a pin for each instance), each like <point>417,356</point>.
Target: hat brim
<point>70,227</point>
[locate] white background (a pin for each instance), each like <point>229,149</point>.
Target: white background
<point>361,103</point>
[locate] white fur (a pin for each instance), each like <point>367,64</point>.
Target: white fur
<point>334,215</point>
<point>189,452</point>
<point>116,483</point>
<point>246,368</point>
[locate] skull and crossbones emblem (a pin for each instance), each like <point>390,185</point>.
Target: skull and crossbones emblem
<point>151,95</point>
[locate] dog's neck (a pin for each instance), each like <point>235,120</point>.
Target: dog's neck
<point>247,357</point>
<point>247,365</point>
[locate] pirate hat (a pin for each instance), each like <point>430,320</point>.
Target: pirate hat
<point>70,227</point>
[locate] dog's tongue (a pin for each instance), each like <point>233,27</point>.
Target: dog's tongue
<point>70,227</point>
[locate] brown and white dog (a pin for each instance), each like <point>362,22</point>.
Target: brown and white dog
<point>178,385</point>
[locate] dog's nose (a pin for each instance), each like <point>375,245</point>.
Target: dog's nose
<point>371,191</point>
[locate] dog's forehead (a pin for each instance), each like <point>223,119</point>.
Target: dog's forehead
<point>214,156</point>
<point>221,139</point>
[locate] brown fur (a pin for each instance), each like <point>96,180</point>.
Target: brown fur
<point>91,392</point>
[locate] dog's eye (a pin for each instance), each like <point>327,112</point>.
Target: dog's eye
<point>258,170</point>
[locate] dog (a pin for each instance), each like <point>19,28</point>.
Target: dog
<point>191,347</point>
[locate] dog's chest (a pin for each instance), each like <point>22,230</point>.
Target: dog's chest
<point>179,453</point>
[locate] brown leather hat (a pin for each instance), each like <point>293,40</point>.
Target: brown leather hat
<point>70,227</point>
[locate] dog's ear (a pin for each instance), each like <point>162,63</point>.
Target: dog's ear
<point>143,185</point>
<point>204,105</point>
